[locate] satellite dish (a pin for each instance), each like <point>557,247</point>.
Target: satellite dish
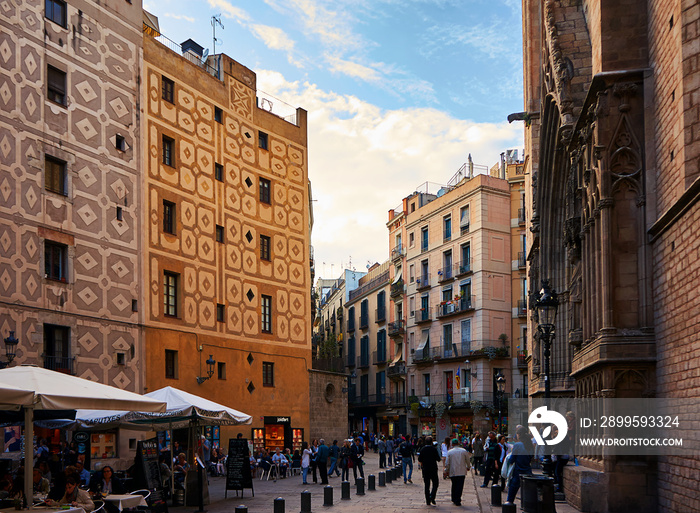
<point>205,54</point>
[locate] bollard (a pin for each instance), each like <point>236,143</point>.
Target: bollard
<point>382,479</point>
<point>509,508</point>
<point>306,501</point>
<point>328,495</point>
<point>345,490</point>
<point>389,476</point>
<point>370,483</point>
<point>360,485</point>
<point>241,509</point>
<point>495,495</point>
<point>278,505</point>
<point>399,471</point>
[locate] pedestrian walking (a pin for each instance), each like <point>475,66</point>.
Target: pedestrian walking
<point>357,452</point>
<point>429,458</point>
<point>492,452</point>
<point>314,461</point>
<point>520,458</point>
<point>478,452</point>
<point>335,454</point>
<point>456,468</point>
<point>390,450</point>
<point>306,455</point>
<point>345,460</point>
<point>322,456</point>
<point>381,446</point>
<point>406,452</point>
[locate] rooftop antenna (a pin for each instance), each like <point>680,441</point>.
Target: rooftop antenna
<point>215,20</point>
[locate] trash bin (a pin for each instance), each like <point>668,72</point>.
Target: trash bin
<point>537,494</point>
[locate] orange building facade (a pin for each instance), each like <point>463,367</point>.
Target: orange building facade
<point>226,267</point>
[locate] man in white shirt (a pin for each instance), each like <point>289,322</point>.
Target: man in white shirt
<point>456,467</point>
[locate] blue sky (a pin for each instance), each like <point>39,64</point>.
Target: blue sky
<point>399,92</point>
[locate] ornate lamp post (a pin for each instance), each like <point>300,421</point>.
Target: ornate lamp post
<point>501,387</point>
<point>210,370</point>
<point>10,349</point>
<point>546,306</point>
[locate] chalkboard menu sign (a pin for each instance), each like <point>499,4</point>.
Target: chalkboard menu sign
<point>147,466</point>
<point>238,466</point>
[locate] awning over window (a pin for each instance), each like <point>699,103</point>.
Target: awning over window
<point>150,24</point>
<point>397,276</point>
<point>464,219</point>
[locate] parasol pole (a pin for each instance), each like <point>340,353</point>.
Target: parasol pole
<point>29,455</point>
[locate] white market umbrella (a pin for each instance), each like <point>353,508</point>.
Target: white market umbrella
<point>51,390</point>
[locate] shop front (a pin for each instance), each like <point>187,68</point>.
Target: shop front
<point>426,426</point>
<point>277,432</point>
<point>462,425</point>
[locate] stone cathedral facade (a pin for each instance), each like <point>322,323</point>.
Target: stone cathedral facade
<point>612,149</point>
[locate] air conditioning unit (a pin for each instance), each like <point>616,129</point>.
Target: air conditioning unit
<point>465,394</point>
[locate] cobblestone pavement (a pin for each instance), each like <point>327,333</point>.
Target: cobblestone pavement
<point>395,497</point>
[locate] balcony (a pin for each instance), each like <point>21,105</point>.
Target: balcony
<point>379,399</point>
<point>521,216</point>
<point>455,307</point>
<point>397,399</point>
<point>350,361</point>
<point>421,356</point>
<point>62,364</point>
<point>396,289</point>
<point>398,253</point>
<point>423,315</point>
<point>463,268</point>
<point>522,308</point>
<point>339,313</point>
<point>450,350</point>
<point>490,352</point>
<point>351,324</point>
<point>396,371</point>
<point>333,319</point>
<point>446,274</point>
<point>522,360</point>
<point>464,228</point>
<point>363,361</point>
<point>396,328</point>
<point>334,364</point>
<point>423,282</point>
<point>379,315</point>
<point>521,260</point>
<point>364,322</point>
<point>379,358</point>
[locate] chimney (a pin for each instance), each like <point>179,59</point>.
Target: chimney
<point>503,166</point>
<point>471,167</point>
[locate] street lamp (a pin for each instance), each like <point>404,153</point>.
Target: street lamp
<point>10,349</point>
<point>501,388</point>
<point>210,370</point>
<point>546,306</point>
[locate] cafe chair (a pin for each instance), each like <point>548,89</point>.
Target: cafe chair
<point>295,468</point>
<point>146,493</point>
<point>99,506</point>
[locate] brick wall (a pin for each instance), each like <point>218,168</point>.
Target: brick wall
<point>676,280</point>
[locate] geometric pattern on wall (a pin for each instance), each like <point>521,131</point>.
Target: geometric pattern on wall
<point>101,65</point>
<point>235,267</point>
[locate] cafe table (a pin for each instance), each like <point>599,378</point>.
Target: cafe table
<point>126,501</point>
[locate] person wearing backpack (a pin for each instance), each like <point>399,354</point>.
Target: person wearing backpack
<point>406,452</point>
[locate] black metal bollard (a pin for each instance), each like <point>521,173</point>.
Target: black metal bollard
<point>328,495</point>
<point>278,505</point>
<point>382,479</point>
<point>509,508</point>
<point>370,483</point>
<point>496,495</point>
<point>360,485</point>
<point>399,471</point>
<point>241,509</point>
<point>345,490</point>
<point>306,501</point>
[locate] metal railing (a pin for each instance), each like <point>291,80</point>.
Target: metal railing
<point>522,359</point>
<point>446,273</point>
<point>369,400</point>
<point>423,282</point>
<point>521,216</point>
<point>463,268</point>
<point>521,259</point>
<point>397,398</point>
<point>456,306</point>
<point>396,370</point>
<point>363,361</point>
<point>464,229</point>
<point>361,291</point>
<point>522,308</point>
<point>350,361</point>
<point>334,364</point>
<point>351,323</point>
<point>423,315</point>
<point>379,357</point>
<point>379,315</point>
<point>396,328</point>
<point>398,252</point>
<point>364,321</point>
<point>62,364</point>
<point>397,288</point>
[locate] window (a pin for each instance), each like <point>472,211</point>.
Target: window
<point>268,374</point>
<point>411,273</point>
<point>56,256</point>
<point>56,11</point>
<point>464,265</point>
<point>169,224</point>
<point>264,247</point>
<point>424,272</point>
<point>56,85</point>
<point>447,294</point>
<point>381,307</point>
<point>411,306</point>
<point>55,175</point>
<point>266,314</point>
<point>221,367</point>
<point>120,143</point>
<point>168,148</point>
<point>121,358</point>
<point>170,293</point>
<point>411,240</point>
<point>57,348</point>
<point>219,233</point>
<point>424,239</point>
<point>447,228</point>
<point>464,220</point>
<point>264,191</point>
<point>170,364</point>
<point>426,383</point>
<point>218,115</point>
<point>168,90</point>
<point>220,312</point>
<point>219,172</point>
<point>262,140</point>
<point>120,214</point>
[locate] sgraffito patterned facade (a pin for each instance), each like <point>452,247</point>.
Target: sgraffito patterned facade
<point>611,99</point>
<point>226,248</point>
<point>69,182</point>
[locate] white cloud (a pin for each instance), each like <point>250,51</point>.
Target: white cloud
<point>364,160</point>
<point>179,17</point>
<point>273,37</point>
<point>229,10</point>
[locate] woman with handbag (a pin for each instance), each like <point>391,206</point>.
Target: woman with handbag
<point>519,461</point>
